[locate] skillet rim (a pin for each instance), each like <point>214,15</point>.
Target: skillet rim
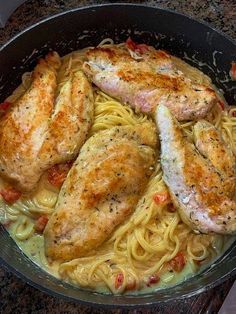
<point>2,47</point>
<point>137,304</point>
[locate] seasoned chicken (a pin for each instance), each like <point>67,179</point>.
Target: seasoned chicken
<point>101,190</point>
<point>70,122</point>
<point>40,131</point>
<point>210,144</point>
<point>148,80</point>
<point>201,178</point>
<point>22,129</point>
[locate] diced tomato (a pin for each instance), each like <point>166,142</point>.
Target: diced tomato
<point>234,114</point>
<point>141,48</point>
<point>119,280</point>
<point>178,262</point>
<point>131,44</point>
<point>10,195</point>
<point>171,209</point>
<point>152,280</point>
<point>233,71</point>
<point>161,198</point>
<point>40,223</point>
<point>58,173</point>
<point>131,285</point>
<point>4,105</point>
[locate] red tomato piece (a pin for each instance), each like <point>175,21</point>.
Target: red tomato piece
<point>171,209</point>
<point>40,223</point>
<point>10,195</point>
<point>234,114</point>
<point>58,173</point>
<point>178,262</point>
<point>152,280</point>
<point>5,105</point>
<point>161,198</point>
<point>233,70</point>
<point>141,48</point>
<point>131,44</point>
<point>131,285</point>
<point>119,280</point>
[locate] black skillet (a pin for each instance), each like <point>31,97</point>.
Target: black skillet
<point>182,36</point>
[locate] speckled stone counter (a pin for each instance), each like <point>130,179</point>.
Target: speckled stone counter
<point>219,13</point>
<point>17,296</point>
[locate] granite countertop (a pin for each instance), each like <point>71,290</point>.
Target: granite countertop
<point>17,296</point>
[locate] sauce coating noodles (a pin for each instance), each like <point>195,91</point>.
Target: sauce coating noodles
<point>145,245</point>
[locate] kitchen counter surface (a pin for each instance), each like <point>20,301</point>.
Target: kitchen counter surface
<point>17,296</point>
<point>221,14</point>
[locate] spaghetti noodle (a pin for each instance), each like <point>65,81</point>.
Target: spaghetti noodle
<point>142,251</point>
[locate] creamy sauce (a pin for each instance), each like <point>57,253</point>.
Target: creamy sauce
<point>34,249</point>
<point>23,220</point>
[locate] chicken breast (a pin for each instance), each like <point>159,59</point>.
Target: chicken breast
<point>101,190</point>
<point>198,177</point>
<point>70,122</point>
<point>22,129</point>
<point>40,131</point>
<point>147,81</point>
<point>211,145</point>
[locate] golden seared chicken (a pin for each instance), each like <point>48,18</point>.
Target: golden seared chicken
<point>211,145</point>
<point>145,77</point>
<point>200,177</point>
<point>39,130</point>
<point>101,190</point>
<point>70,122</point>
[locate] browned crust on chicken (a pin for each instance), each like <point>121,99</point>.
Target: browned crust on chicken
<point>41,130</point>
<point>22,129</point>
<point>101,190</point>
<point>198,184</point>
<point>69,126</point>
<point>151,80</point>
<point>211,145</point>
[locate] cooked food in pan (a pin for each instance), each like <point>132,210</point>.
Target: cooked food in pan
<point>200,177</point>
<point>101,190</point>
<point>41,128</point>
<point>118,168</point>
<point>145,77</point>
